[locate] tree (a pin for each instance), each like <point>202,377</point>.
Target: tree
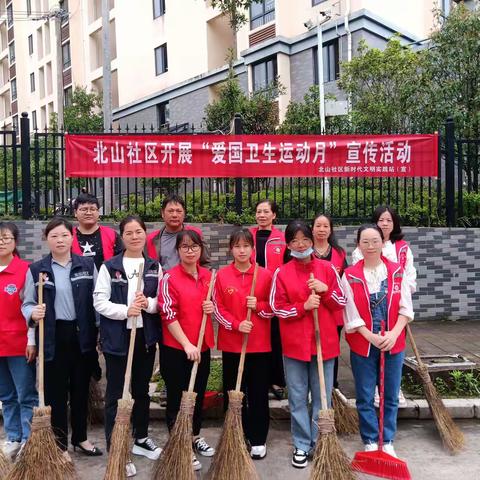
<point>82,115</point>
<point>452,68</point>
<point>235,10</point>
<point>259,110</point>
<point>385,88</point>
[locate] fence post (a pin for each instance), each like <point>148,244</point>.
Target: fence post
<point>238,130</point>
<point>25,159</point>
<point>450,172</point>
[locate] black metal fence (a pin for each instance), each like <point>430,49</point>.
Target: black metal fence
<point>451,199</point>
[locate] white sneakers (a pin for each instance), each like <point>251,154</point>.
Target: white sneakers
<point>10,449</point>
<point>402,402</point>
<point>387,448</point>
<point>130,469</point>
<point>203,448</point>
<point>258,452</point>
<point>196,464</point>
<point>146,447</point>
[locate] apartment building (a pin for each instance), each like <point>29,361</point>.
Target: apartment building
<point>169,56</point>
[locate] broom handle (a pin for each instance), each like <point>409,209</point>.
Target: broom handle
<point>321,375</point>
<point>41,346</point>
<point>193,374</point>
<point>241,364</point>
<point>414,346</point>
<point>131,347</point>
<point>381,391</point>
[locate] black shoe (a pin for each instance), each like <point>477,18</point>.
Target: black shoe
<point>278,393</point>
<point>299,458</point>
<point>94,452</point>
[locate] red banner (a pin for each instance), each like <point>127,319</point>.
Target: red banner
<point>251,156</point>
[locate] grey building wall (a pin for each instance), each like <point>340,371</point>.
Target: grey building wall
<point>147,117</point>
<point>447,262</point>
<point>189,108</point>
<point>301,74</point>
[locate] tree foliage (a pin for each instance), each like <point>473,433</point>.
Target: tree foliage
<point>235,10</point>
<point>259,110</point>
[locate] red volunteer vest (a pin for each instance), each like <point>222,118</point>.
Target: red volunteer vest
<point>401,247</point>
<point>13,327</point>
<point>361,297</point>
<point>274,248</point>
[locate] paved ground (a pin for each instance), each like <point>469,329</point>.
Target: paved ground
<point>417,443</point>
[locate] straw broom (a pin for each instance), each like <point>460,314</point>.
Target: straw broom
<point>232,460</point>
<point>346,416</point>
<point>452,436</point>
<point>42,458</point>
<point>5,465</point>
<point>329,459</point>
<point>119,453</point>
<point>175,461</point>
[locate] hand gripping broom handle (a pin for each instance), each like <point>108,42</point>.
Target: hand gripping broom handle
<point>193,375</point>
<point>321,375</point>
<point>128,371</point>
<point>381,391</point>
<point>41,341</point>
<point>245,335</point>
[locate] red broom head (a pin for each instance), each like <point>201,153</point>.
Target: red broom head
<point>381,464</point>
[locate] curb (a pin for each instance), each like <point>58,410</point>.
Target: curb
<point>417,409</point>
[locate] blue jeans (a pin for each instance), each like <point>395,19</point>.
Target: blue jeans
<point>18,395</point>
<point>302,378</point>
<point>366,374</point>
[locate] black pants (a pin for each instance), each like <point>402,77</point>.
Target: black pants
<point>175,369</point>
<point>335,365</point>
<point>277,376</point>
<point>142,369</point>
<point>255,384</point>
<point>67,377</point>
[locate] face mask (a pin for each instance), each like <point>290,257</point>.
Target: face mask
<point>301,255</point>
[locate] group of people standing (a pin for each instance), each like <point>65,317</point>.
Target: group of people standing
<point>91,296</point>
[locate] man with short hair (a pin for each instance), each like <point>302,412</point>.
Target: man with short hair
<point>161,243</point>
<point>91,239</point>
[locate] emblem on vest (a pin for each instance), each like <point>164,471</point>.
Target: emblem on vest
<point>10,289</point>
<point>118,275</point>
<point>396,288</point>
<point>230,290</point>
<point>277,250</point>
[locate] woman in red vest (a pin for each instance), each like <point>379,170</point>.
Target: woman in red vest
<point>292,300</point>
<point>269,249</point>
<point>377,292</point>
<point>182,304</point>
<point>326,247</point>
<point>231,300</point>
<point>17,352</point>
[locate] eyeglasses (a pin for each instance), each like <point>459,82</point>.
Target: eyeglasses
<point>374,243</point>
<point>87,209</point>
<point>303,241</point>
<point>186,248</point>
<point>6,239</point>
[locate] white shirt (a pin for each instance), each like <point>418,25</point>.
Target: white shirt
<point>374,278</point>
<point>103,290</point>
<point>389,251</point>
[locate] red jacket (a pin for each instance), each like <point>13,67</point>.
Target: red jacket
<point>153,240</point>
<point>229,297</point>
<point>180,299</point>
<point>361,297</point>
<point>13,327</point>
<point>287,297</point>
<point>108,237</point>
<point>274,248</point>
<point>338,261</point>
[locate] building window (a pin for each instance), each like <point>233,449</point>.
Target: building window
<point>158,8</point>
<point>15,122</point>
<point>10,15</point>
<point>331,64</point>
<point>30,44</point>
<point>34,120</point>
<point>317,2</point>
<point>66,55</point>
<point>264,74</point>
<point>261,13</point>
<point>13,86</point>
<point>63,4</point>
<point>32,82</point>
<point>67,97</point>
<point>11,52</point>
<point>163,114</point>
<point>161,60</point>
